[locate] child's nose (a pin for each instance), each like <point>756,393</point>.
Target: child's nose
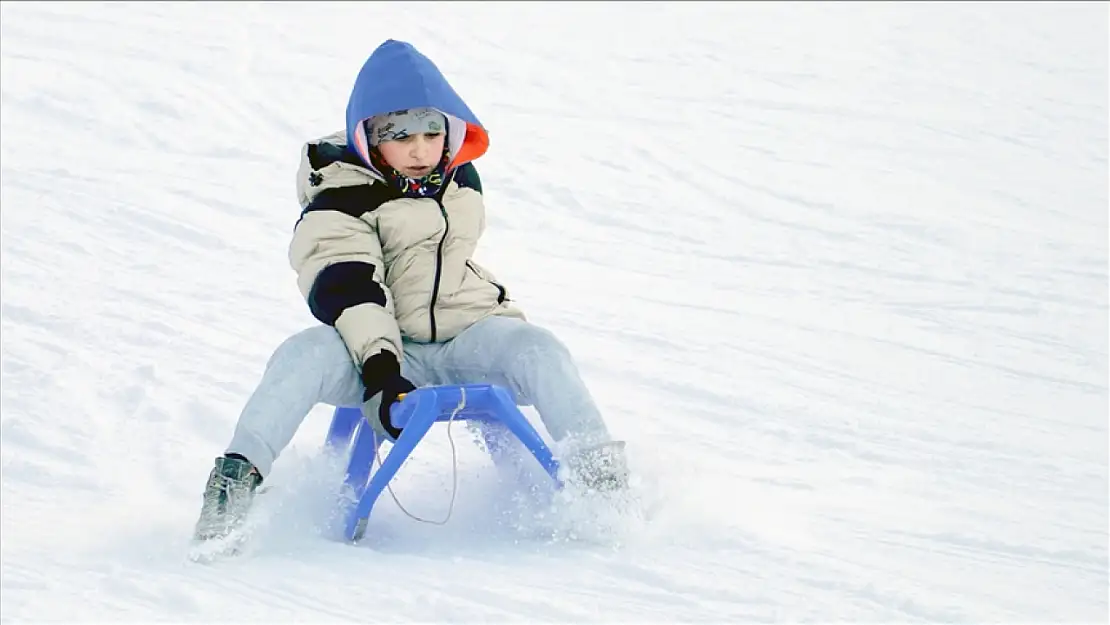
<point>420,147</point>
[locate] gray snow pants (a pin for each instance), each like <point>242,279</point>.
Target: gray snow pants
<point>313,366</point>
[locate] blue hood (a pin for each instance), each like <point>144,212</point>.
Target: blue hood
<point>396,77</point>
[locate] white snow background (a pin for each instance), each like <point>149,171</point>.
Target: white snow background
<point>837,272</point>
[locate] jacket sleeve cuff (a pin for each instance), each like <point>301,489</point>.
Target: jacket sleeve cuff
<point>368,329</point>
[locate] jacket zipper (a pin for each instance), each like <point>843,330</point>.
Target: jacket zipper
<point>439,268</point>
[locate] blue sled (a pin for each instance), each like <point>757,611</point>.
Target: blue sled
<point>414,415</point>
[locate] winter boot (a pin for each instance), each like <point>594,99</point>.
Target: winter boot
<point>227,496</point>
<point>601,468</point>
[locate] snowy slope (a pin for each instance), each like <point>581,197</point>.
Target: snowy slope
<point>838,273</point>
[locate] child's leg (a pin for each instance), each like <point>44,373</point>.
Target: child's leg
<point>310,367</point>
<point>527,360</point>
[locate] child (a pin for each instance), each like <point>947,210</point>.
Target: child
<point>392,212</point>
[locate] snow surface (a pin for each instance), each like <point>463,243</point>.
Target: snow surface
<point>837,272</point>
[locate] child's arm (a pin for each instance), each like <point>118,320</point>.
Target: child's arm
<point>340,273</point>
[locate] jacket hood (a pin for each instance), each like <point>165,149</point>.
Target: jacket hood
<point>397,77</point>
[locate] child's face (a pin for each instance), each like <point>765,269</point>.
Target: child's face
<point>416,155</point>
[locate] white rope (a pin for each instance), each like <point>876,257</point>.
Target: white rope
<point>454,469</point>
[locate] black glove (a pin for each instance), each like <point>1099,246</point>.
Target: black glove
<point>381,375</point>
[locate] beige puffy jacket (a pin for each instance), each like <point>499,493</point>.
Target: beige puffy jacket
<point>379,267</point>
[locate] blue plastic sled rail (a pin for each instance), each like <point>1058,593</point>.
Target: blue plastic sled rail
<point>415,415</point>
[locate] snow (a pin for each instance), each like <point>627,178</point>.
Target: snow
<point>836,272</point>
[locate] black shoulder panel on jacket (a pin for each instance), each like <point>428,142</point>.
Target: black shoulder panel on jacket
<point>320,155</point>
<point>466,177</point>
<point>354,201</point>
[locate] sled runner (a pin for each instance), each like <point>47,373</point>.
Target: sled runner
<point>488,404</point>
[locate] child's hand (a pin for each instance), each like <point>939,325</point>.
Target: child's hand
<point>381,375</point>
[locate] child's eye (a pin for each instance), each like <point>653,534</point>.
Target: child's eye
<point>432,135</point>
